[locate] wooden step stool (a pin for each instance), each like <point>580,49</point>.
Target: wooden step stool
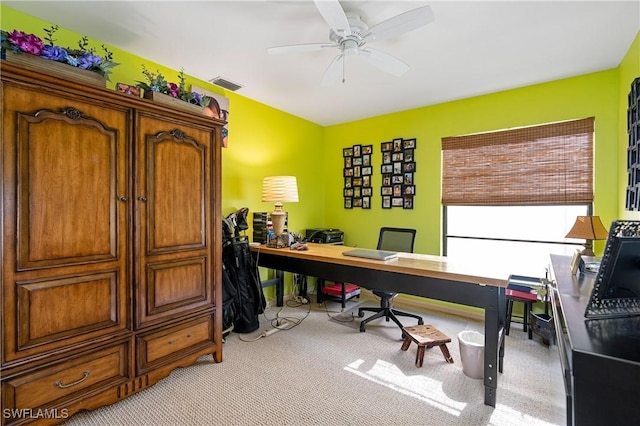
<point>426,336</point>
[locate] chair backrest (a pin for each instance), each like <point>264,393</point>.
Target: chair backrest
<point>396,239</point>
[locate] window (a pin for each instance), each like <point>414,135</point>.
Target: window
<point>522,236</point>
<point>514,194</point>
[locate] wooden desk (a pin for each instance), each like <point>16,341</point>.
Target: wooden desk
<point>435,277</point>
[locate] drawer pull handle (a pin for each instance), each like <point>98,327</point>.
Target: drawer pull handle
<point>188,335</point>
<point>59,384</point>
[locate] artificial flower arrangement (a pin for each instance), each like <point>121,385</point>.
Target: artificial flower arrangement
<point>83,57</point>
<point>157,83</point>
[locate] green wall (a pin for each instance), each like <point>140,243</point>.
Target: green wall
<point>584,96</point>
<point>265,141</point>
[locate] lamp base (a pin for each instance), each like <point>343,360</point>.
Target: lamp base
<point>281,241</point>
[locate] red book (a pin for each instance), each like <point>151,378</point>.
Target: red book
<point>521,294</point>
<point>336,289</point>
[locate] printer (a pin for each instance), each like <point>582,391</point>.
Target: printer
<point>324,236</point>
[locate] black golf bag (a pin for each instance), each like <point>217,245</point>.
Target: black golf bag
<point>243,299</point>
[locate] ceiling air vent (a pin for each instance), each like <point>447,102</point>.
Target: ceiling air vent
<point>226,84</point>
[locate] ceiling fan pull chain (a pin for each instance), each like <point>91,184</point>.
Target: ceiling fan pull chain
<point>344,61</point>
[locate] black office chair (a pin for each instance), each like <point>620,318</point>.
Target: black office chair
<point>399,240</point>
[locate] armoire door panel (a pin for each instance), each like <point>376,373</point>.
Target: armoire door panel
<point>175,213</point>
<point>173,217</point>
<point>67,190</point>
<point>176,284</point>
<point>60,308</point>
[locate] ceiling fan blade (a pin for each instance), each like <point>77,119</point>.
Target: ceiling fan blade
<point>400,24</point>
<point>332,12</point>
<point>332,74</point>
<point>384,61</point>
<point>298,48</point>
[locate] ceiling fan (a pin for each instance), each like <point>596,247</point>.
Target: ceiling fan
<point>349,34</point>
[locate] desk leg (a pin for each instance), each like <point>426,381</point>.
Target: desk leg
<point>280,288</point>
<point>494,318</point>
<point>319,294</point>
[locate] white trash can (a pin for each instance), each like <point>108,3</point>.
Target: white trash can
<point>472,353</point>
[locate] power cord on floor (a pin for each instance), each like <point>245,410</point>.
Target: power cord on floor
<point>280,322</point>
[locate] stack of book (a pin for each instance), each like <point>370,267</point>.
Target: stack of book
<point>523,287</point>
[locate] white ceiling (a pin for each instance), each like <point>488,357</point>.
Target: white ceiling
<point>472,47</point>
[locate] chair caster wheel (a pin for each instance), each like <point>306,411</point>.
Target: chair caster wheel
<point>360,314</point>
<point>420,322</point>
<point>362,329</point>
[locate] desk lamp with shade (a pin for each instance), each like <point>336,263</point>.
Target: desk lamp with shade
<point>588,228</point>
<point>279,189</point>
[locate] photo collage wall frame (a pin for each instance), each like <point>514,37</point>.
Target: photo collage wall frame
<point>633,149</point>
<point>398,173</point>
<point>357,173</point>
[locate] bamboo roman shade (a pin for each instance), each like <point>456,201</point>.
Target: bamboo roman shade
<point>546,164</point>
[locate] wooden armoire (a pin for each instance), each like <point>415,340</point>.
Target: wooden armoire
<point>111,244</point>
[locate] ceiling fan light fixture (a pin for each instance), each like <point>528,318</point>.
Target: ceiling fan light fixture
<point>349,47</point>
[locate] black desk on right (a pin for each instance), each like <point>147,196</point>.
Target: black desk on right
<point>600,358</point>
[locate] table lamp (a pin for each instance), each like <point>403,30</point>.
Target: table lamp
<point>279,189</point>
<point>588,228</point>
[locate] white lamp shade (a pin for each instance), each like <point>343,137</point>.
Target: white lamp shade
<point>280,189</point>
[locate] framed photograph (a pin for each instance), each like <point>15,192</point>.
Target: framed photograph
<point>386,169</point>
<point>366,159</point>
<point>408,179</point>
<point>367,191</point>
<point>357,161</point>
<point>348,192</point>
<point>366,180</point>
<point>397,168</point>
<point>357,150</point>
<point>397,190</point>
<point>348,203</point>
<point>408,155</point>
<point>409,143</point>
<point>409,190</point>
<point>397,156</point>
<point>348,162</point>
<point>357,181</point>
<point>357,192</point>
<point>357,202</point>
<point>386,190</point>
<point>407,203</point>
<point>409,167</point>
<point>386,180</point>
<point>366,202</point>
<point>348,182</point>
<point>396,179</point>
<point>386,158</point>
<point>397,145</point>
<point>575,262</point>
<point>128,90</point>
<point>347,152</point>
<point>348,172</point>
<point>367,149</point>
<point>367,171</point>
<point>386,146</point>
<point>386,202</point>
<point>396,202</point>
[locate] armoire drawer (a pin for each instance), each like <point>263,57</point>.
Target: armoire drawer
<point>100,369</point>
<point>159,346</point>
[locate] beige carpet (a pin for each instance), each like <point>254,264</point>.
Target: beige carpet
<point>325,372</point>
